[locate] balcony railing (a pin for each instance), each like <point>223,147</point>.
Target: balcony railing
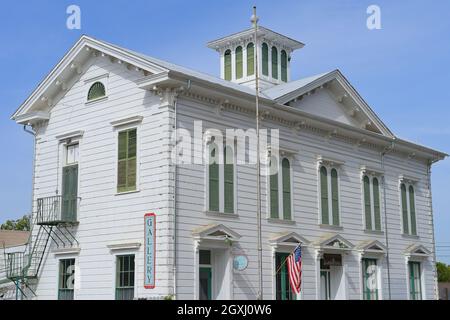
<point>15,263</point>
<point>57,210</point>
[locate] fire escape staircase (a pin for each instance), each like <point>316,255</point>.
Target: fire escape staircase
<point>54,218</point>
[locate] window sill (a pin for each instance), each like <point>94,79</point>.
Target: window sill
<point>98,100</point>
<point>127,192</point>
<point>377,232</point>
<point>280,221</point>
<point>221,214</point>
<point>410,236</point>
<point>329,226</point>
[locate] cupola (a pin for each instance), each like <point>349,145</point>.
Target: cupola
<point>237,57</point>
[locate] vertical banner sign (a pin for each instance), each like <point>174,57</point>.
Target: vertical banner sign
<point>150,240</point>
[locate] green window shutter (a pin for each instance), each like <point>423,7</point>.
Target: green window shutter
<point>335,196</point>
<point>229,180</point>
<point>286,172</point>
<point>376,204</point>
<point>367,204</point>
<point>239,62</point>
<point>69,194</point>
<point>96,91</point>
<point>274,63</point>
<point>250,59</point>
<point>227,62</point>
<point>265,59</point>
<point>284,64</point>
<point>127,161</point>
<point>404,209</point>
<point>412,208</point>
<point>213,180</point>
<point>324,195</point>
<point>274,190</point>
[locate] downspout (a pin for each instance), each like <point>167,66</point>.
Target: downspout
<point>33,175</point>
<point>383,154</point>
<point>175,229</point>
<point>430,195</point>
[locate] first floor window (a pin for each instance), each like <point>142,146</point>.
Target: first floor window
<point>127,161</point>
<point>370,279</point>
<point>408,209</point>
<point>329,196</point>
<point>283,288</point>
<point>66,279</point>
<point>415,283</point>
<point>125,277</point>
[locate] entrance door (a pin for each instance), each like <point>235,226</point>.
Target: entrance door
<point>205,283</point>
<point>69,194</point>
<point>325,285</point>
<point>283,288</point>
<point>205,275</point>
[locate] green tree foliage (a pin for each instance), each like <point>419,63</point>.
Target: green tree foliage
<point>22,224</point>
<point>443,271</point>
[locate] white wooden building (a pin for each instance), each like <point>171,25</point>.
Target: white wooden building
<point>353,195</point>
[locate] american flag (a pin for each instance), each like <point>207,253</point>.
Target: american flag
<point>294,263</point>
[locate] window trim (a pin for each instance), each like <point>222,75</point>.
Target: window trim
<point>58,261</point>
<point>280,218</point>
<point>371,177</point>
<point>329,167</point>
<point>221,146</point>
<point>115,255</point>
<point>103,79</point>
<point>408,184</point>
<point>117,130</point>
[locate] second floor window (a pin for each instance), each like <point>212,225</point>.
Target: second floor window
<point>372,212</point>
<point>127,161</point>
<point>239,62</point>
<point>280,189</point>
<point>221,179</point>
<point>329,196</point>
<point>408,209</point>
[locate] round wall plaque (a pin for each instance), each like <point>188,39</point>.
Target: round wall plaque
<point>240,262</point>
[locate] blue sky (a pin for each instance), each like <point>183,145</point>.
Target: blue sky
<point>402,70</point>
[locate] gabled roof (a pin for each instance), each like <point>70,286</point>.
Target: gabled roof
<point>38,105</point>
<point>287,238</point>
<point>417,250</point>
<point>372,246</point>
<point>287,92</point>
<point>215,232</point>
<point>334,241</point>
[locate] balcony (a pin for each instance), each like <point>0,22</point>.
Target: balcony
<point>57,210</point>
<point>15,263</point>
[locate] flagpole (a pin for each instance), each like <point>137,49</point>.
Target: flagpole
<point>260,296</point>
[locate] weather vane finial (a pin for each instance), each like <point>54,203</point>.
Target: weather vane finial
<point>254,19</point>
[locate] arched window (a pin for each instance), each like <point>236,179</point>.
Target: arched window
<point>274,213</point>
<point>367,203</point>
<point>265,59</point>
<point>376,204</point>
<point>412,210</point>
<point>96,91</point>
<point>324,195</point>
<point>335,196</point>
<point>239,62</point>
<point>228,180</point>
<point>284,64</point>
<point>274,63</point>
<point>213,178</point>
<point>227,65</point>
<point>250,59</point>
<point>404,209</point>
<point>286,173</point>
